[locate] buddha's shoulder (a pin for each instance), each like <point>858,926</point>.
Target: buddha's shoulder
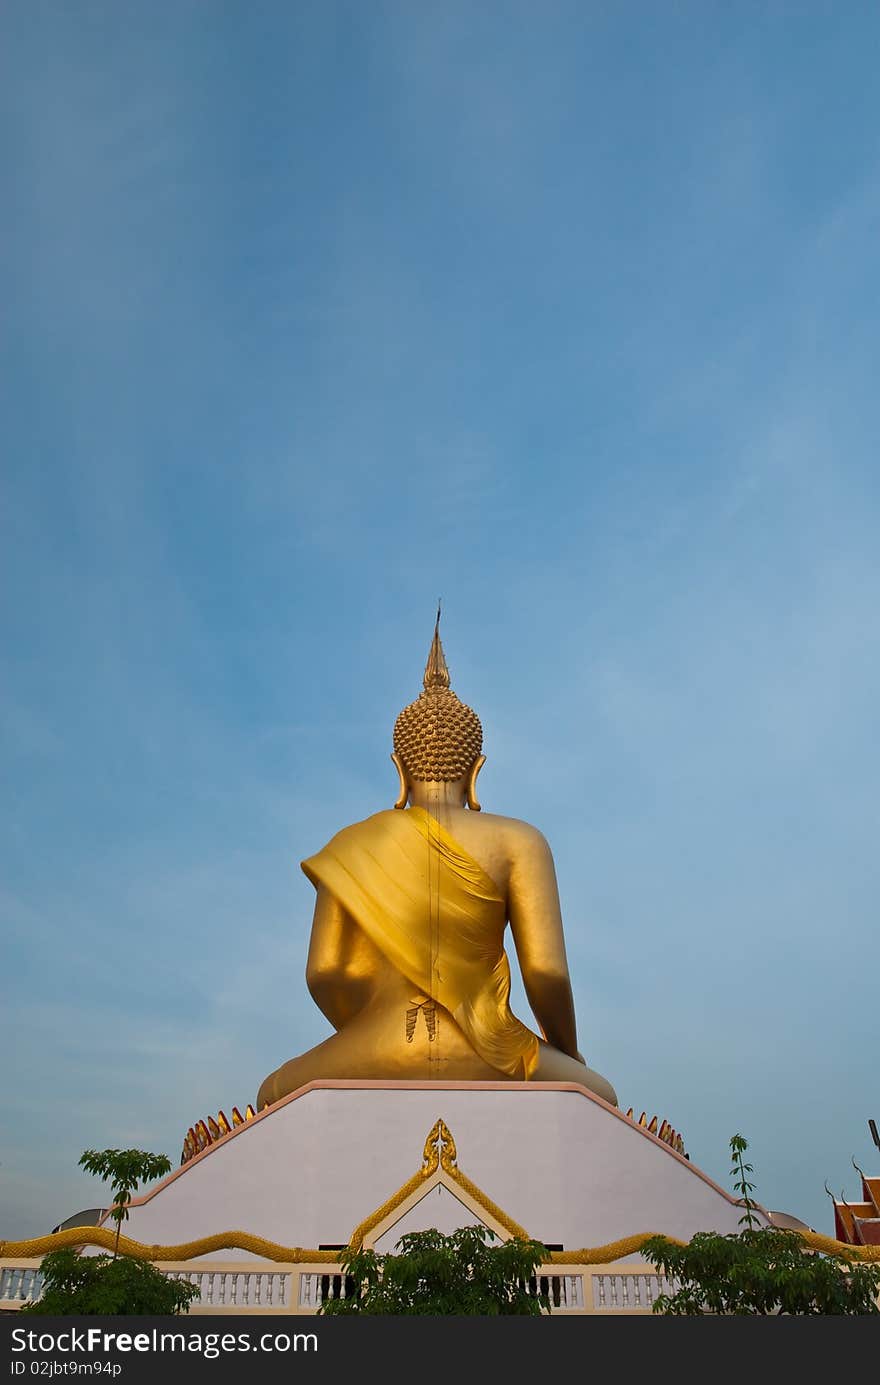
<point>354,829</point>
<point>520,834</point>
<point>385,817</point>
<point>514,833</point>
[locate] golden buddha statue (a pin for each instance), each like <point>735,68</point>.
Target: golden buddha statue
<point>406,957</point>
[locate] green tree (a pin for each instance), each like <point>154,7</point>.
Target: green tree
<point>435,1275</point>
<point>106,1284</point>
<point>738,1147</point>
<point>125,1169</point>
<point>759,1270</point>
<point>112,1284</point>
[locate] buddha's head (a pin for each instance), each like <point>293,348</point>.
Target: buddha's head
<point>438,740</point>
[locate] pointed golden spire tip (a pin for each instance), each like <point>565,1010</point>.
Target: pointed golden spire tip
<point>436,671</point>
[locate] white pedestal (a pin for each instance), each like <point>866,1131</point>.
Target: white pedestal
<point>569,1169</point>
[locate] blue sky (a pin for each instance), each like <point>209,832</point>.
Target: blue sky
<point>312,313</point>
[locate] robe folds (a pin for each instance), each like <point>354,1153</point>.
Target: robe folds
<point>437,917</point>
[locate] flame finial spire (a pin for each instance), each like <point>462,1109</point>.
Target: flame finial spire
<point>436,670</point>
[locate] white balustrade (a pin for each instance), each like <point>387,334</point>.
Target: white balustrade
<point>317,1287</point>
<point>20,1284</point>
<point>628,1291</point>
<point>241,1290</point>
<point>260,1288</point>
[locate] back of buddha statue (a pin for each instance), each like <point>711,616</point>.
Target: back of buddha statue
<point>410,916</point>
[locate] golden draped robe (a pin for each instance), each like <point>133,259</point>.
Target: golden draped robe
<point>438,918</point>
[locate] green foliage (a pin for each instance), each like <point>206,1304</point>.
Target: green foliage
<point>738,1147</point>
<point>759,1270</point>
<point>125,1169</point>
<point>105,1284</point>
<point>112,1284</point>
<point>435,1275</point>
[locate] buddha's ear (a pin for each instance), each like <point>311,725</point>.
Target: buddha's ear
<point>404,783</point>
<point>472,802</point>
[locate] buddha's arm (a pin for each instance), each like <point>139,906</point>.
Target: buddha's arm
<point>340,971</point>
<point>536,924</point>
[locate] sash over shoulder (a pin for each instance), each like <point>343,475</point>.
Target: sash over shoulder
<point>439,919</point>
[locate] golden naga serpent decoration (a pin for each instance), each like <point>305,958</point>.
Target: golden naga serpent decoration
<point>105,1239</point>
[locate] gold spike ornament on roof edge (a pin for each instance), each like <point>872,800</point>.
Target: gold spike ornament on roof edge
<point>437,737</point>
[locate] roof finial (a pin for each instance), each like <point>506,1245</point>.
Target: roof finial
<point>436,672</point>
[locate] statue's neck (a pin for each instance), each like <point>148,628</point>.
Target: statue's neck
<point>436,798</point>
